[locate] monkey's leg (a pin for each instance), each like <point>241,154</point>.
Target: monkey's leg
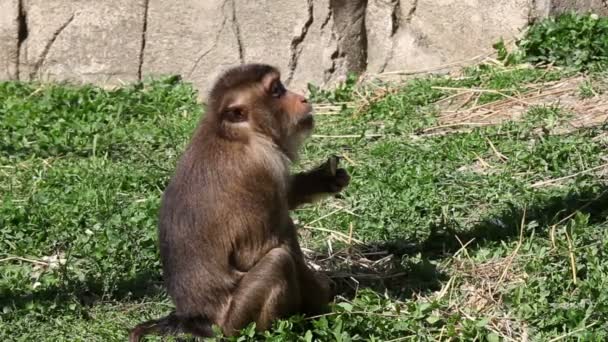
<point>268,291</point>
<point>316,290</point>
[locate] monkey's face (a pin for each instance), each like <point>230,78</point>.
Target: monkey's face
<point>265,107</point>
<point>291,111</point>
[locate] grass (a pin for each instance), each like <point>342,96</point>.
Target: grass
<point>82,170</point>
<point>476,210</point>
<point>575,40</point>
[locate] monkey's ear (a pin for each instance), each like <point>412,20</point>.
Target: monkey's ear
<point>234,114</point>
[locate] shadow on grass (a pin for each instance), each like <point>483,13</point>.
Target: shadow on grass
<point>371,267</point>
<point>88,292</point>
<point>400,268</point>
<point>505,226</point>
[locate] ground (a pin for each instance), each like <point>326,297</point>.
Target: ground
<point>476,210</point>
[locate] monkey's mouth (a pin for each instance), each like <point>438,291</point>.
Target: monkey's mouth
<point>307,121</point>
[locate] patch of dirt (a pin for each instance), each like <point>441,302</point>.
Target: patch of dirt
<point>461,111</point>
<point>480,286</point>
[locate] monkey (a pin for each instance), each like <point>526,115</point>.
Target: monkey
<point>229,249</point>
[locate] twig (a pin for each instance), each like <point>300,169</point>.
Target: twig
<point>439,67</point>
<point>335,313</point>
<point>456,125</point>
<point>467,100</point>
<point>31,261</point>
<point>549,68</point>
<point>368,275</point>
<point>573,332</point>
<point>327,113</point>
<point>446,99</point>
<point>489,91</point>
<point>346,136</point>
<point>482,161</point>
<point>571,215</point>
<point>324,216</point>
<point>514,253</point>
<point>344,236</point>
<point>549,181</point>
<point>552,236</point>
<point>399,339</point>
<point>504,102</point>
<point>500,155</point>
<point>445,288</point>
<point>463,247</point>
<point>348,159</point>
<point>572,260</point>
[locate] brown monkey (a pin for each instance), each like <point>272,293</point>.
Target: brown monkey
<point>228,247</point>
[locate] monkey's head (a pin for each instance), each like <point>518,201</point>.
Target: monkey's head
<point>251,101</point>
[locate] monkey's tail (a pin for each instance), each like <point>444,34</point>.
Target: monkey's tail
<point>171,325</point>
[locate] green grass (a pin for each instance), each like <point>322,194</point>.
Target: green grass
<point>82,170</point>
<point>574,40</point>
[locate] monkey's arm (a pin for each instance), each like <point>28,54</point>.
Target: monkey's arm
<point>306,187</point>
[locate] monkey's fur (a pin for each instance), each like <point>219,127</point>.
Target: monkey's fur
<point>228,246</point>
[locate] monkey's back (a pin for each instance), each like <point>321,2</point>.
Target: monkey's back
<point>215,218</point>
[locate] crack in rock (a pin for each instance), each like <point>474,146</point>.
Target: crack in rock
<point>535,11</point>
<point>327,73</point>
<point>22,34</point>
<point>396,16</point>
<point>395,25</point>
<point>412,12</point>
<point>215,42</point>
<point>531,11</point>
<point>237,33</point>
<point>49,45</point>
<point>296,42</point>
<point>143,40</point>
<point>330,14</point>
<point>350,35</point>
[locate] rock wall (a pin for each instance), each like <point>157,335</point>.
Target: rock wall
<point>112,41</point>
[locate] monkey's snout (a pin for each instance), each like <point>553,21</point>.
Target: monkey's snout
<point>307,121</point>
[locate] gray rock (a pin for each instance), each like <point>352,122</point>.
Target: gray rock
<point>333,44</point>
<point>311,41</point>
<point>285,24</point>
<point>82,41</point>
<point>9,39</point>
<point>595,6</point>
<point>318,41</point>
<point>315,51</point>
<point>199,45</point>
<point>421,34</point>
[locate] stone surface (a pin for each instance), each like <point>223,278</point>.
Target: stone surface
<point>282,32</point>
<point>9,39</point>
<point>296,36</point>
<point>420,34</point>
<point>595,6</point>
<point>334,44</point>
<point>82,41</point>
<point>198,46</point>
<point>315,50</point>
<point>316,41</point>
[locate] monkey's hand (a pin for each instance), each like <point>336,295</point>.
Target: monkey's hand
<point>331,176</point>
<point>310,186</point>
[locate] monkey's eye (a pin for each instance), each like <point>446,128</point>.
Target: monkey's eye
<point>235,115</point>
<point>277,89</point>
